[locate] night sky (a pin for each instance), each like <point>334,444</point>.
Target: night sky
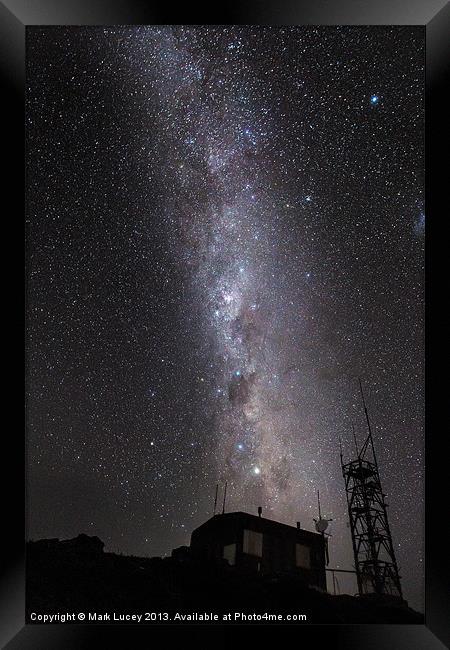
<point>225,230</point>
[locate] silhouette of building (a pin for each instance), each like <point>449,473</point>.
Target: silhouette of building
<point>82,544</point>
<point>256,544</point>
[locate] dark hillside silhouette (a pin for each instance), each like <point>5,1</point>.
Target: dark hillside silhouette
<point>76,575</point>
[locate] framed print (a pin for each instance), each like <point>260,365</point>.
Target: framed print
<point>226,331</point>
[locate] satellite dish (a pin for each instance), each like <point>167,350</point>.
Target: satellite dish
<point>321,525</point>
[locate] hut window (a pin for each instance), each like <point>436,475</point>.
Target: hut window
<point>253,542</point>
<point>302,556</point>
<point>229,553</point>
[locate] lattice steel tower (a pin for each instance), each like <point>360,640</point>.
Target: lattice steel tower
<point>375,563</point>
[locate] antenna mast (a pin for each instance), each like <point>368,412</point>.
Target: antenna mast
<point>321,524</point>
<point>375,562</point>
<point>354,439</point>
<point>224,497</point>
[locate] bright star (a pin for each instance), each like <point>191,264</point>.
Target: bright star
<point>256,470</point>
<point>374,99</point>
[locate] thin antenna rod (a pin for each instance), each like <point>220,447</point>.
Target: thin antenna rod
<point>224,498</point>
<point>354,439</point>
<point>215,498</point>
<point>365,407</point>
<point>370,438</point>
<point>318,501</point>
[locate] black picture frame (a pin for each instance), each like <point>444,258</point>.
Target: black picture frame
<point>15,16</point>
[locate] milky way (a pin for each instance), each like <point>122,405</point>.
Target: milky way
<point>225,230</point>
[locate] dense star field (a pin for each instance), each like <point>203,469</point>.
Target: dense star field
<point>225,230</point>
